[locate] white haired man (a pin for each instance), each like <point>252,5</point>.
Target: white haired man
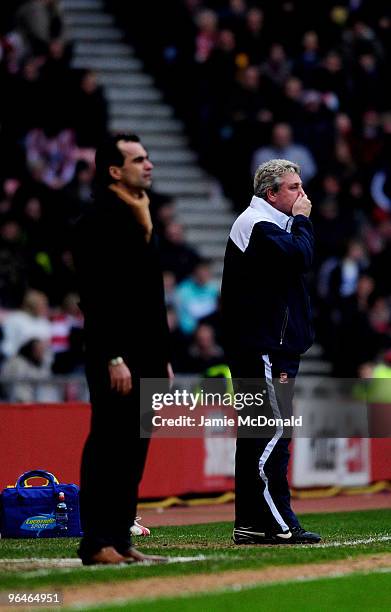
<point>267,323</point>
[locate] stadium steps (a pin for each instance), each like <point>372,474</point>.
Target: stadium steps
<point>194,205</point>
<point>111,79</point>
<point>184,172</point>
<point>122,108</point>
<point>197,220</point>
<point>136,104</point>
<point>102,50</point>
<point>163,157</point>
<point>126,99</point>
<point>87,33</point>
<point>114,64</point>
<point>82,5</point>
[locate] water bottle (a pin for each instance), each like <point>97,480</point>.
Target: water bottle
<point>61,513</point>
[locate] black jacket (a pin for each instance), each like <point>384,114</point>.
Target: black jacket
<point>121,287</point>
<point>265,302</point>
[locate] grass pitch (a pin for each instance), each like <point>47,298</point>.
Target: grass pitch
<point>370,592</point>
<point>207,549</point>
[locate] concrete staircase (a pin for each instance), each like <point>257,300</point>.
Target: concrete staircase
<point>135,104</point>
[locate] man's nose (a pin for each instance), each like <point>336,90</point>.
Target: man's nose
<point>148,164</point>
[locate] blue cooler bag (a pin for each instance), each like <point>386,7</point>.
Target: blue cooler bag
<point>49,511</point>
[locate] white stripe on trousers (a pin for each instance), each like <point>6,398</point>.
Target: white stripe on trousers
<point>270,445</point>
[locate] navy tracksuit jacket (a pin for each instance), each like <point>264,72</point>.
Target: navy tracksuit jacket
<point>267,325</point>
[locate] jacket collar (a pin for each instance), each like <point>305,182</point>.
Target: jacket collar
<point>269,213</point>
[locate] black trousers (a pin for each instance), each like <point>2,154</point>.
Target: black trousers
<point>112,465</point>
<point>262,499</point>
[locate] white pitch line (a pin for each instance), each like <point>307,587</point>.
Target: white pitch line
<point>45,565</point>
<point>71,563</point>
<point>47,562</point>
<point>337,544</point>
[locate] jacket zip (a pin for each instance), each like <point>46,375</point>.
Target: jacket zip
<point>284,324</point>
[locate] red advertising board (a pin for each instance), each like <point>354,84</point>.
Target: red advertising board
<point>51,437</point>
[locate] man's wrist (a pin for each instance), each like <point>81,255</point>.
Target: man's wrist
<point>116,361</point>
<point>300,214</point>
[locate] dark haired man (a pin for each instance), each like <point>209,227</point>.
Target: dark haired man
<point>122,299</point>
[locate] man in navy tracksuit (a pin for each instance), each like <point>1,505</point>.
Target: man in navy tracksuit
<point>267,322</point>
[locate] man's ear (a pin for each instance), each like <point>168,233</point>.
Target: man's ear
<point>271,195</point>
<point>115,172</point>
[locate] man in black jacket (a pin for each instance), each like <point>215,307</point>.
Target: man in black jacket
<point>267,323</point>
<point>126,333</point>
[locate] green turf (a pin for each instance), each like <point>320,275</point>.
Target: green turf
<point>212,541</point>
<point>347,593</point>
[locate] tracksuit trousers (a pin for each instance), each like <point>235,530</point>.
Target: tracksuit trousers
<point>262,454</point>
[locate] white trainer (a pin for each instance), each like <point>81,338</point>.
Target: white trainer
<point>139,530</point>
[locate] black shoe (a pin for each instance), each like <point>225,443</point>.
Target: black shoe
<point>296,535</point>
<point>250,535</point>
<point>301,536</point>
<point>247,535</point>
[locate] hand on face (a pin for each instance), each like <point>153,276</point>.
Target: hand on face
<point>302,206</point>
<point>290,197</point>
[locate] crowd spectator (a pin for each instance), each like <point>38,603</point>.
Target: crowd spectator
<point>176,255</point>
<point>283,147</point>
<point>290,107</point>
<point>204,351</point>
<point>196,297</point>
<point>67,336</point>
<point>162,207</point>
<point>254,37</point>
<point>308,59</point>
<point>13,263</point>
<point>380,262</point>
<point>90,111</point>
<point>277,67</point>
<point>232,13</point>
<point>206,37</point>
<point>63,281</point>
<point>17,116</point>
<point>381,187</point>
<point>169,282</point>
<point>179,342</point>
<point>76,196</point>
<point>38,21</point>
<point>30,322</point>
<point>58,84</point>
<point>51,155</point>
<point>26,375</point>
<point>361,331</point>
<point>330,78</point>
<point>347,271</point>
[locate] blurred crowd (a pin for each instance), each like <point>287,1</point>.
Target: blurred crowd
<point>52,117</point>
<point>306,81</point>
<point>300,80</point>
